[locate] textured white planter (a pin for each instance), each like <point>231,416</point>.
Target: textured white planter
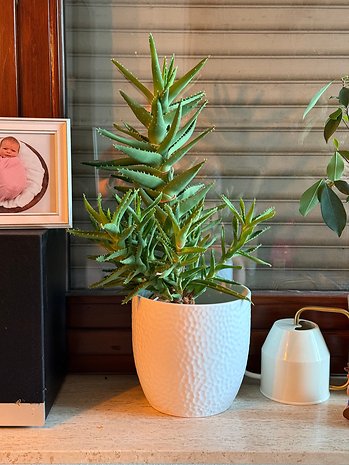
<point>191,359</point>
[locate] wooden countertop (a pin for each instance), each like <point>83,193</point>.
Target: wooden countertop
<point>100,419</point>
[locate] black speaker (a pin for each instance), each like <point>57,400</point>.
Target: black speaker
<point>32,323</point>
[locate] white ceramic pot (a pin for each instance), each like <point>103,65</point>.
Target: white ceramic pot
<point>191,359</point>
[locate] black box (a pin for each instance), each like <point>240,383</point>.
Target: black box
<point>32,323</point>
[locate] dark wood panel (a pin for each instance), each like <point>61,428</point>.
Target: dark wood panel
<point>8,59</point>
<point>100,342</point>
<point>104,314</point>
<point>271,306</point>
<point>119,364</point>
<point>57,58</point>
<point>97,312</point>
<point>39,39</point>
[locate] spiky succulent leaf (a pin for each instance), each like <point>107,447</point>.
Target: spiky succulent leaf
<point>183,82</point>
<point>131,131</point>
<point>141,144</point>
<point>155,67</point>
<point>109,165</point>
<point>187,203</point>
<point>130,77</point>
<point>138,110</point>
<point>142,179</point>
<point>179,154</point>
<point>157,128</point>
<point>188,104</point>
<point>180,182</point>
<point>172,133</point>
<point>141,156</point>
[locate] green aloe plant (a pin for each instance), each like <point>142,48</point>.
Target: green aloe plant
<point>331,191</point>
<point>159,238</point>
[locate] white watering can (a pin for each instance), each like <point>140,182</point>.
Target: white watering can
<point>295,365</point>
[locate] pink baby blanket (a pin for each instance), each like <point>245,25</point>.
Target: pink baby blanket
<point>13,178</point>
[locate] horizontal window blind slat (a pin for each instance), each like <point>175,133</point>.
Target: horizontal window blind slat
<point>96,42</point>
<point>223,67</point>
<point>219,92</point>
<point>264,187</point>
<point>231,141</point>
<point>221,116</point>
<point>285,164</point>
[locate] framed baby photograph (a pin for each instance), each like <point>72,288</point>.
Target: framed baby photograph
<point>35,173</point>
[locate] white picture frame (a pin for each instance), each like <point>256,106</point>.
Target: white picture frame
<point>44,152</point>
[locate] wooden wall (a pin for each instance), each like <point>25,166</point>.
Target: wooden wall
<point>31,59</point>
<point>99,329</point>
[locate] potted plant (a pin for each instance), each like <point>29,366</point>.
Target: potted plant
<point>190,348</point>
<point>331,191</point>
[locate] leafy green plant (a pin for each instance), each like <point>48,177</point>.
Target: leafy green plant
<point>324,191</point>
<point>159,238</point>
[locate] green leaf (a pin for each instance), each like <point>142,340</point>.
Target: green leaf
<point>179,154</point>
<point>182,83</point>
<point>188,104</point>
<point>191,250</point>
<point>315,99</point>
<point>342,186</point>
<point>130,77</point>
<point>141,178</point>
<point>91,235</point>
<point>343,96</point>
<point>223,240</point>
<point>142,156</point>
<point>188,203</point>
<point>157,128</point>
<point>130,131</point>
<point>168,140</point>
<point>253,258</point>
<point>332,210</point>
<point>345,154</point>
<point>111,228</point>
<point>264,216</point>
<point>94,215</point>
<point>335,168</point>
<point>189,191</point>
<point>232,208</point>
<point>135,291</point>
<point>138,110</point>
<point>124,205</point>
<point>332,124</point>
<point>334,115</point>
<point>111,278</point>
<point>310,199</point>
<point>109,165</point>
<point>117,254</point>
<point>155,67</point>
<point>123,140</point>
<point>226,290</point>
<point>180,182</point>
<point>187,130</point>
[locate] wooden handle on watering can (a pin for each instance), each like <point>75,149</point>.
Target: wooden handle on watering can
<point>325,310</point>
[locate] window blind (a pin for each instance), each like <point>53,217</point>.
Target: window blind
<point>267,59</point>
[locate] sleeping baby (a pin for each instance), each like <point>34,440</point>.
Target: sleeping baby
<point>13,178</point>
